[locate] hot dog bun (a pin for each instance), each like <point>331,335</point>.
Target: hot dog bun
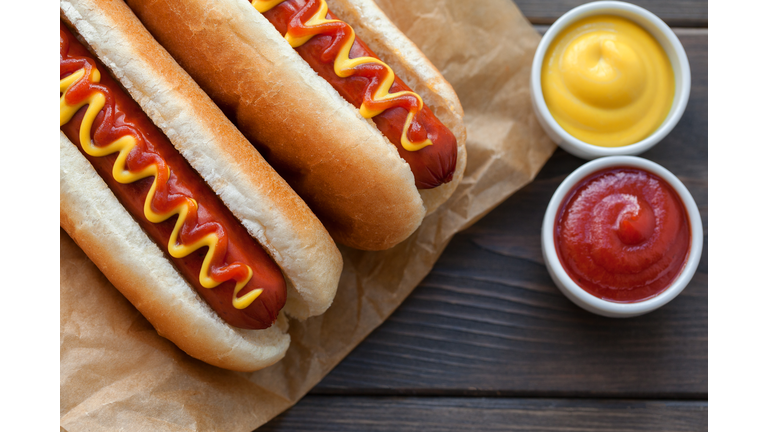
<point>134,264</point>
<point>267,207</point>
<point>411,65</point>
<point>339,162</point>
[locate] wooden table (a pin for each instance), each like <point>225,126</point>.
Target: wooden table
<point>487,342</point>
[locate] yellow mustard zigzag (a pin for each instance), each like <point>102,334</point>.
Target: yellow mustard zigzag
<point>124,145</point>
<point>344,67</point>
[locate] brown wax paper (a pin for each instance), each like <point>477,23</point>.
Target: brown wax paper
<point>117,374</point>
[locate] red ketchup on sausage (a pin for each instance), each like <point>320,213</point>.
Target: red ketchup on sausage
<point>623,235</point>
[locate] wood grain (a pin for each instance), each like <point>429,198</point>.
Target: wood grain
<point>488,320</point>
<point>316,413</point>
<point>678,13</point>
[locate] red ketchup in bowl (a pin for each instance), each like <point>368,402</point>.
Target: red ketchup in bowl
<point>623,235</point>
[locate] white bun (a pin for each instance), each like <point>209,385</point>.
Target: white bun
<point>340,163</point>
<point>95,219</point>
<point>265,204</point>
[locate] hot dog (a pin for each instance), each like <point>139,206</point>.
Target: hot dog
<point>125,183</point>
<point>332,49</point>
<point>370,156</point>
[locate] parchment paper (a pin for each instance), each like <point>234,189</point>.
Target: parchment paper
<point>118,374</point>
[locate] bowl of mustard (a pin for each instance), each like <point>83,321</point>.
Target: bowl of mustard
<point>609,78</point>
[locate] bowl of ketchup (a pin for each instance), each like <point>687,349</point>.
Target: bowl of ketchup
<point>622,236</point>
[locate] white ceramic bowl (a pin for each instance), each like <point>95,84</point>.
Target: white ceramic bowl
<point>666,38</point>
<point>586,300</point>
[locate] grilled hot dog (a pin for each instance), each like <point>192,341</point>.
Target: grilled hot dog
<point>314,111</point>
<point>149,164</point>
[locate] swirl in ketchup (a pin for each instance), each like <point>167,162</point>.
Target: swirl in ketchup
<point>623,235</point>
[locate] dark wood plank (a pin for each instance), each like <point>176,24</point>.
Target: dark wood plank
<point>488,320</point>
<point>676,13</point>
<point>405,414</point>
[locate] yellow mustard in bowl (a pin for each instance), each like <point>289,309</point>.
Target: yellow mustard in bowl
<point>607,81</point>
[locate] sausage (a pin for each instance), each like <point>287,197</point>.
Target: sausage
<point>235,251</point>
<point>431,165</point>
